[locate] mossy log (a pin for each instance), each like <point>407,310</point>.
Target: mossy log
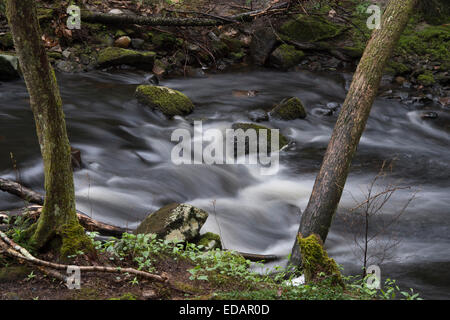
<point>350,124</point>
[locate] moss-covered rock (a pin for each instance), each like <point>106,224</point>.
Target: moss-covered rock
<point>118,56</point>
<point>315,261</point>
<point>289,109</point>
<point>174,222</point>
<point>283,141</point>
<point>426,79</point>
<point>286,56</point>
<point>170,102</point>
<point>164,41</point>
<point>310,29</point>
<point>233,45</point>
<point>9,67</point>
<point>210,241</point>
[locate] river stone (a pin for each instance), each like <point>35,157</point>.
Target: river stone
<point>170,102</point>
<point>286,56</point>
<point>246,126</point>
<point>9,67</point>
<point>175,222</point>
<point>123,42</point>
<point>289,109</point>
<point>113,56</point>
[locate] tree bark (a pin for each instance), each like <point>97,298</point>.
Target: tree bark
<point>59,206</point>
<point>350,124</point>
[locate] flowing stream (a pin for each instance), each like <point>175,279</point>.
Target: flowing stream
<point>127,170</point>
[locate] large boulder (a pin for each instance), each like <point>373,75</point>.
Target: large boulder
<point>175,222</point>
<point>114,56</point>
<point>289,109</point>
<point>9,67</point>
<point>262,43</point>
<point>286,56</point>
<point>251,126</point>
<point>170,102</point>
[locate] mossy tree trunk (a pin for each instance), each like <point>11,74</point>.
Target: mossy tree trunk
<point>350,124</point>
<point>58,220</point>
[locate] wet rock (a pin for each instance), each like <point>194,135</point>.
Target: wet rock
<point>75,155</point>
<point>400,80</point>
<point>334,106</point>
<point>262,44</point>
<point>429,115</point>
<point>168,101</point>
<point>9,67</point>
<point>174,222</point>
<point>322,112</point>
<point>117,56</point>
<point>66,66</point>
<point>289,109</point>
<point>258,115</point>
<point>246,126</point>
<point>445,102</point>
<point>244,93</point>
<point>66,53</point>
<point>286,56</point>
<point>210,241</point>
<point>123,42</point>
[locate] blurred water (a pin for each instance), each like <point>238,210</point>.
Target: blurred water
<point>128,173</point>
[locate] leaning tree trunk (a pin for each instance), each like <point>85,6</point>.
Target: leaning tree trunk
<point>58,219</point>
<point>350,124</point>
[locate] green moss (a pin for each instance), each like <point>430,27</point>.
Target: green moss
<point>426,79</point>
<point>233,45</point>
<point>286,56</point>
<point>14,273</point>
<point>354,51</point>
<point>306,28</point>
<point>164,41</point>
<point>120,33</point>
<point>283,141</point>
<point>432,42</point>
<point>210,241</point>
<point>237,55</point>
<point>117,56</point>
<point>170,102</point>
<point>74,240</point>
<point>315,261</point>
<point>219,48</point>
<point>125,296</point>
<point>45,14</point>
<point>289,109</point>
<point>88,294</point>
<point>396,68</point>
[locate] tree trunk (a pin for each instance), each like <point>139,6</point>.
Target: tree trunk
<point>58,219</point>
<point>350,124</point>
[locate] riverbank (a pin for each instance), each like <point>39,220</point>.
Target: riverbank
<point>322,37</point>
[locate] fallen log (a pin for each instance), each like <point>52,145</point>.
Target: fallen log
<point>212,21</point>
<point>34,211</point>
<point>22,192</point>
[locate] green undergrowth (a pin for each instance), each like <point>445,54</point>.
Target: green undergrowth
<point>231,276</point>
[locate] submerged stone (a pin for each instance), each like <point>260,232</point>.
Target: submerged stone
<point>170,102</point>
<point>174,222</point>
